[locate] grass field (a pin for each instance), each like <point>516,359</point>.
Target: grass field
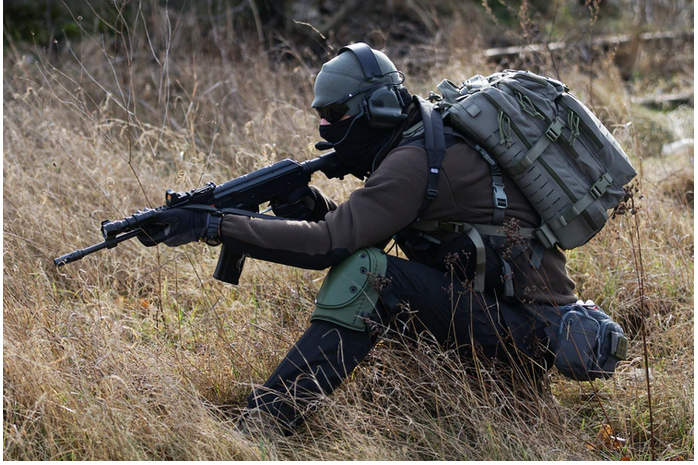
<point>136,353</point>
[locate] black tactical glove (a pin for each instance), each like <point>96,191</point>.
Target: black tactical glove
<point>179,226</point>
<point>306,203</point>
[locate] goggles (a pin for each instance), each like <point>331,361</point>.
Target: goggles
<point>334,111</point>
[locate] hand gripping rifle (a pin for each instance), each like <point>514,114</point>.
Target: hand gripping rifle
<point>246,192</point>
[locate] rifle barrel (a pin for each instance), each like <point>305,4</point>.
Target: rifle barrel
<point>107,244</point>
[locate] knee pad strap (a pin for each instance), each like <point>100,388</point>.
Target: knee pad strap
<point>346,296</point>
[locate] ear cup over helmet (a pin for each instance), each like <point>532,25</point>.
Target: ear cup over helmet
<point>383,106</point>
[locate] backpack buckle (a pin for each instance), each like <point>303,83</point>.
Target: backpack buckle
<point>453,227</point>
<point>500,197</point>
<point>595,192</point>
<point>601,186</point>
<point>545,236</point>
<point>555,129</point>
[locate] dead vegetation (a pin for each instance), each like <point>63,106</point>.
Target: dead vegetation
<point>138,354</point>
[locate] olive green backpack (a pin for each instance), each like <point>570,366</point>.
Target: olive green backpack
<point>559,154</point>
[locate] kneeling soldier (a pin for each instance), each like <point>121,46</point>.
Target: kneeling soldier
<point>373,123</point>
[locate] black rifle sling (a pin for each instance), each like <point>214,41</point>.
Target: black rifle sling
<point>435,146</point>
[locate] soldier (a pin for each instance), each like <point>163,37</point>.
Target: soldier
<point>378,130</point>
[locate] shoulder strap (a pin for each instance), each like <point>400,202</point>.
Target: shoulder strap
<point>435,146</point>
<point>499,196</point>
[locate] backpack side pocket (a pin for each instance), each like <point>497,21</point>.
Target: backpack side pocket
<point>576,339</point>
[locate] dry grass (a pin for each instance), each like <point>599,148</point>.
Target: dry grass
<point>138,353</point>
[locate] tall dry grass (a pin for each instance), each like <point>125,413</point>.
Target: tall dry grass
<point>138,353</point>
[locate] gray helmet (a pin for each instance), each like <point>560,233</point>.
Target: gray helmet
<point>345,76</point>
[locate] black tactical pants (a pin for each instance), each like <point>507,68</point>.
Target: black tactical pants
<point>457,318</point>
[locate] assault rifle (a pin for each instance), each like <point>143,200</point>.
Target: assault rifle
<point>247,192</point>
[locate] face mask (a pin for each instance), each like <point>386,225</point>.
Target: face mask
<point>356,143</point>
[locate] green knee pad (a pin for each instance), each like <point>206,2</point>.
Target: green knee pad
<point>346,295</point>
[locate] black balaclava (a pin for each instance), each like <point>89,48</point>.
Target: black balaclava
<point>357,143</point>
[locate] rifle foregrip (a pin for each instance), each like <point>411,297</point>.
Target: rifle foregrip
<point>229,266</point>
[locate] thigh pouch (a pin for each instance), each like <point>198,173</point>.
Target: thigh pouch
<point>346,296</point>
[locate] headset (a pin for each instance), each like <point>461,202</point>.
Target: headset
<point>381,103</point>
<point>382,106</point>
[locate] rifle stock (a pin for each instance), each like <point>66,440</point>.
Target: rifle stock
<point>246,192</point>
